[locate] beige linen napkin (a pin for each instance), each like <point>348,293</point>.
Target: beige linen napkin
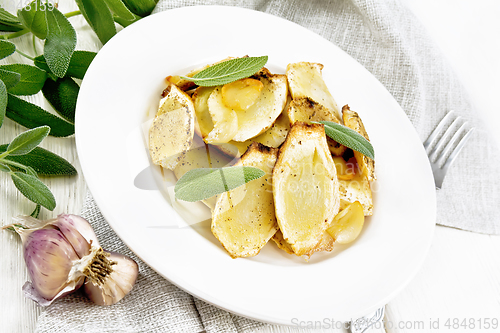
<point>388,40</point>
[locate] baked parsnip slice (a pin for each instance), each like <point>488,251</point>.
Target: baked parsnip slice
<point>353,121</point>
<point>305,187</point>
<point>172,131</point>
<point>306,81</point>
<point>305,109</point>
<point>243,219</point>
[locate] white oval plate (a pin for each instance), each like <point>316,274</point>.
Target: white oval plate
<point>121,91</point>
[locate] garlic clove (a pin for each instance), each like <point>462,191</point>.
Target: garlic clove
<point>49,258</point>
<point>115,284</point>
<point>78,232</point>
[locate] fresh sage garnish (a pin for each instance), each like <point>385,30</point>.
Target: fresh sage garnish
<point>27,141</point>
<point>60,43</point>
<point>203,183</point>
<point>141,7</point>
<point>33,189</point>
<point>118,8</point>
<point>348,137</point>
<point>78,65</point>
<point>31,79</point>
<point>44,162</point>
<point>3,101</point>
<point>10,79</point>
<point>33,17</point>
<point>30,115</point>
<point>62,95</point>
<point>99,18</point>
<point>228,71</point>
<point>7,18</point>
<point>6,48</point>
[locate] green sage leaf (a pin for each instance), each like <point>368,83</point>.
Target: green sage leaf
<point>228,71</point>
<point>348,137</point>
<point>31,80</point>
<point>199,184</point>
<point>10,79</point>
<point>62,95</point>
<point>30,115</point>
<point>7,18</point>
<point>33,189</point>
<point>60,43</point>
<point>141,7</point>
<point>10,28</point>
<point>32,17</point>
<point>118,8</point>
<point>78,65</point>
<point>3,101</point>
<point>6,48</point>
<point>99,18</point>
<point>36,211</point>
<point>4,168</point>
<point>44,162</point>
<point>27,141</point>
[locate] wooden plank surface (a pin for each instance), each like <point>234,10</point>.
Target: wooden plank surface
<point>460,277</point>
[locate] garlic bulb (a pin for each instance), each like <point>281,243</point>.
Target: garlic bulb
<point>63,253</point>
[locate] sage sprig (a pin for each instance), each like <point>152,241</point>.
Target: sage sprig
<point>24,177</point>
<point>348,137</point>
<point>228,71</point>
<point>203,183</point>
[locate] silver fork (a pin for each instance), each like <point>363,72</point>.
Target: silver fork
<point>440,163</point>
<point>360,325</point>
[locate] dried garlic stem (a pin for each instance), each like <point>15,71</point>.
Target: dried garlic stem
<point>100,267</point>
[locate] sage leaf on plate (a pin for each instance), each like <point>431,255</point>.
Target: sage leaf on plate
<point>6,48</point>
<point>30,115</point>
<point>31,79</point>
<point>3,101</point>
<point>348,137</point>
<point>44,162</point>
<point>141,7</point>
<point>60,43</point>
<point>118,8</point>
<point>78,65</point>
<point>203,183</point>
<point>34,189</point>
<point>27,141</point>
<point>62,95</point>
<point>228,71</point>
<point>32,17</point>
<point>10,79</point>
<point>99,18</point>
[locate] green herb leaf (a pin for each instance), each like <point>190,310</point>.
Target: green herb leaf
<point>228,71</point>
<point>7,18</point>
<point>78,65</point>
<point>31,116</point>
<point>33,17</point>
<point>60,43</point>
<point>62,95</point>
<point>141,7</point>
<point>6,48</point>
<point>99,18</point>
<point>3,101</point>
<point>119,9</point>
<point>33,189</point>
<point>31,80</point>
<point>27,141</point>
<point>44,162</point>
<point>348,137</point>
<point>4,168</point>
<point>10,28</point>
<point>10,79</point>
<point>199,184</point>
<point>36,211</point>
